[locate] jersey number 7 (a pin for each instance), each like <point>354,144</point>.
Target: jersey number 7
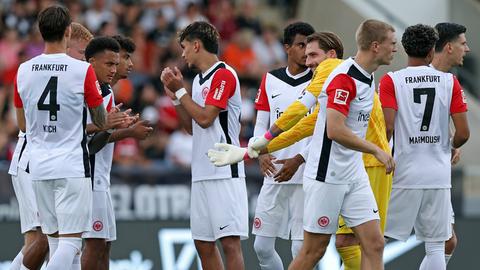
<point>427,114</point>
<point>52,106</point>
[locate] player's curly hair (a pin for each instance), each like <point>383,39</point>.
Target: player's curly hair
<point>448,32</point>
<point>418,40</point>
<point>296,28</point>
<point>100,44</point>
<point>126,43</point>
<point>203,31</point>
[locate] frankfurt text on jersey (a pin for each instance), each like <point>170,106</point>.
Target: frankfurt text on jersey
<point>49,67</point>
<point>422,79</point>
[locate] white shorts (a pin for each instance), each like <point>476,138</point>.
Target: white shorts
<point>102,225</point>
<point>279,212</point>
<point>219,208</point>
<point>324,202</point>
<point>425,210</point>
<point>64,205</point>
<point>452,214</point>
<point>27,204</point>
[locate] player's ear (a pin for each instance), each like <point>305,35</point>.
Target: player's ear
<point>332,53</point>
<point>196,46</point>
<point>91,60</point>
<point>68,32</point>
<point>375,46</point>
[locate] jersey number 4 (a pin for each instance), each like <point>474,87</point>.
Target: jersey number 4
<point>52,106</point>
<point>427,114</point>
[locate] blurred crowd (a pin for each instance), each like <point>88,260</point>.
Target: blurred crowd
<point>249,43</point>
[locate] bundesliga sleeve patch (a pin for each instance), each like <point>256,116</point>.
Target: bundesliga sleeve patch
<point>341,96</point>
<point>464,97</point>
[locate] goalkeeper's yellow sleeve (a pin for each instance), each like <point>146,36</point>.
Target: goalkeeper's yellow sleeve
<point>308,99</point>
<point>304,128</point>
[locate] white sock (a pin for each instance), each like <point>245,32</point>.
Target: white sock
<point>52,246</point>
<point>62,259</point>
<point>23,267</point>
<point>296,246</point>
<point>266,254</point>
<point>76,265</point>
<point>447,258</point>
<point>435,256</point>
<point>17,262</point>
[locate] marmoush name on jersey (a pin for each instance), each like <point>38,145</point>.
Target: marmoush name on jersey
<point>422,79</point>
<point>49,67</point>
<point>424,139</point>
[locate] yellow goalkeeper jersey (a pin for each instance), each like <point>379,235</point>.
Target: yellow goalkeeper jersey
<point>376,133</point>
<point>296,112</point>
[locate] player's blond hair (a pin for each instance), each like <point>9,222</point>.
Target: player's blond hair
<point>370,31</point>
<point>80,32</point>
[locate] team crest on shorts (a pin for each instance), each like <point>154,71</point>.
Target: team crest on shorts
<point>323,221</point>
<point>257,223</point>
<point>97,226</point>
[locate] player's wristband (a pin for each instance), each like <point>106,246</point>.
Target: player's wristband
<point>269,135</point>
<point>176,102</point>
<point>180,93</point>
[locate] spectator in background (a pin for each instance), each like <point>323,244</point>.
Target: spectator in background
<point>192,14</point>
<point>179,149</point>
<point>240,55</point>
<point>268,49</point>
<point>247,18</point>
<point>10,48</point>
<point>95,16</point>
<point>221,15</point>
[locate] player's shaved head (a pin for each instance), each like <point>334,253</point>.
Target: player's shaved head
<point>327,41</point>
<point>418,40</point>
<point>371,31</point>
<point>53,22</point>
<point>448,32</point>
<point>203,31</point>
<point>99,45</point>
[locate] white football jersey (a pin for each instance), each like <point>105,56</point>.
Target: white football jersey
<point>277,91</point>
<point>349,89</point>
<point>422,97</point>
<point>219,86</point>
<point>18,154</point>
<point>101,162</point>
<point>52,89</point>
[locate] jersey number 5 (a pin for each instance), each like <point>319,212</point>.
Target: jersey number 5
<point>427,114</point>
<point>52,105</point>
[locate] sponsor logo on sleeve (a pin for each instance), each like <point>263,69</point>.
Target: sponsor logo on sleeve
<point>219,91</point>
<point>97,84</point>
<point>464,97</point>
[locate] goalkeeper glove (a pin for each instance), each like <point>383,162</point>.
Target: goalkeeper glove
<point>227,154</point>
